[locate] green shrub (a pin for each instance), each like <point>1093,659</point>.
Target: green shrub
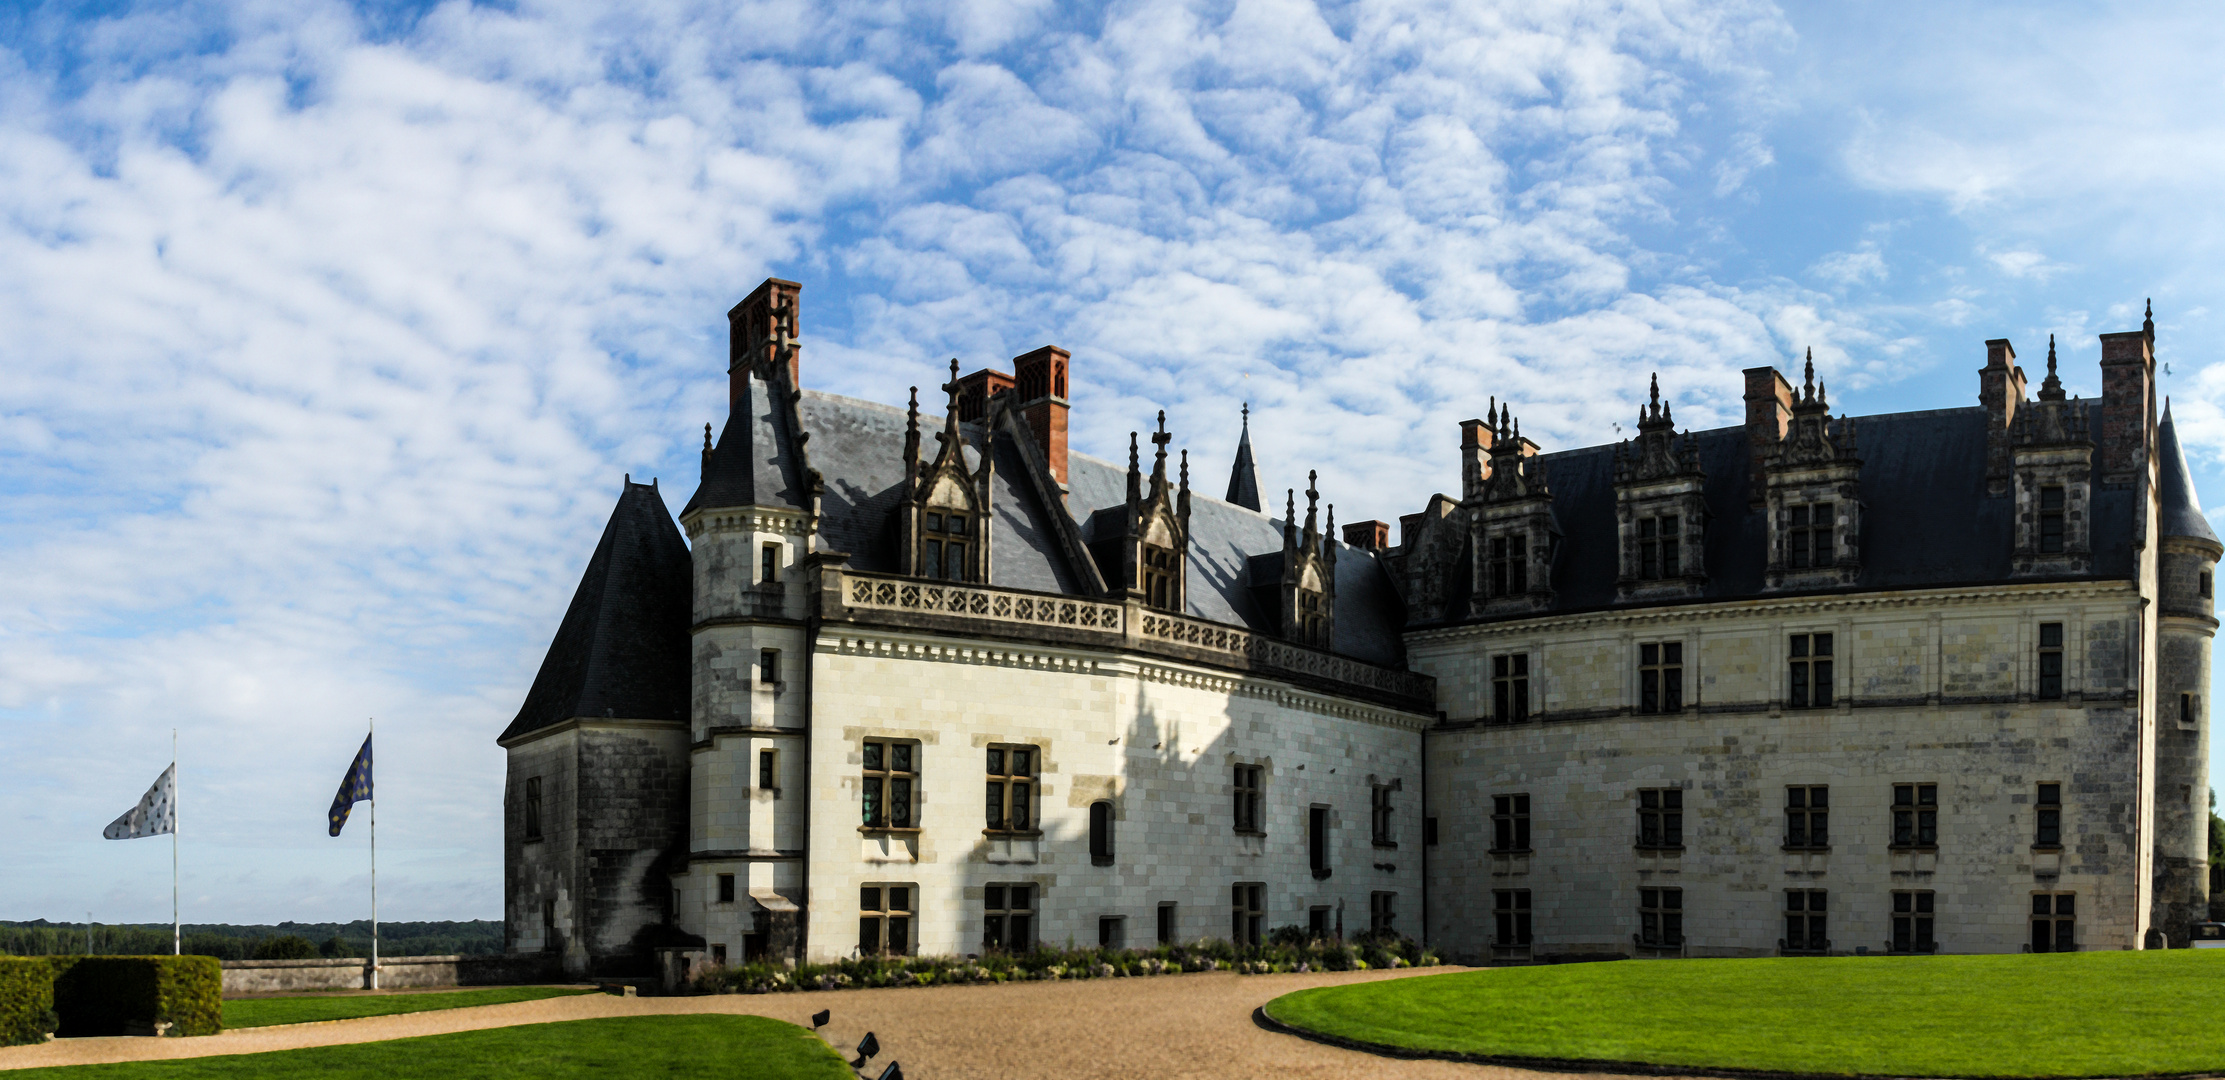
<point>285,947</point>
<point>26,1000</point>
<point>115,995</point>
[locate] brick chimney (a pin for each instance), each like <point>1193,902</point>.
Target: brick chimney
<point>975,390</point>
<point>762,330</point>
<point>2001,391</point>
<point>1768,416</point>
<point>2127,404</point>
<point>1040,381</point>
<point>1475,455</point>
<point>1368,535</point>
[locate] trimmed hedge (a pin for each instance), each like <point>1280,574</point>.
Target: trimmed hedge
<point>122,995</point>
<point>26,1000</point>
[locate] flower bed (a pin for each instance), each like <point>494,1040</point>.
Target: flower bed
<point>1285,952</point>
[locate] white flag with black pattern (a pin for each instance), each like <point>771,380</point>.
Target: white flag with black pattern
<point>156,814</point>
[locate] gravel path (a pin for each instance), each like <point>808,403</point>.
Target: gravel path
<point>1197,1025</point>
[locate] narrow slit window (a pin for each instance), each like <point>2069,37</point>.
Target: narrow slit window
<point>533,808</point>
<point>768,667</point>
<point>768,564</point>
<point>2051,661</point>
<point>1247,799</point>
<point>2051,520</point>
<point>768,771</point>
<point>1101,833</point>
<point>1166,924</point>
<point>1317,840</point>
<point>2047,816</point>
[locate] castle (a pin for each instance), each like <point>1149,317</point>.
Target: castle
<point>933,684</point>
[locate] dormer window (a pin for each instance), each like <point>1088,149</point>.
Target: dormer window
<point>1311,612</point>
<point>1808,539</point>
<point>2051,520</point>
<point>1509,565</point>
<point>1658,555</point>
<point>942,546</point>
<point>1158,577</point>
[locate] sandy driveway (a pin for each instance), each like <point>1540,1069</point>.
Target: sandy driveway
<point>1197,1025</point>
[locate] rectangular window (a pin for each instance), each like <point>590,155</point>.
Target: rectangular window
<point>1112,932</point>
<point>1319,922</point>
<point>885,920</point>
<point>2047,816</point>
<point>1247,911</point>
<point>533,808</point>
<point>1511,910</point>
<point>549,943</point>
<point>1166,924</point>
<point>726,888</point>
<point>2054,919</point>
<point>1510,823</point>
<point>1808,816</point>
<point>1429,831</point>
<point>1011,792</point>
<point>1101,833</point>
<point>1809,684</point>
<point>1008,922</point>
<point>1382,912</point>
<point>2186,710</point>
<point>889,774</point>
<point>2203,584</point>
<point>1661,918</point>
<point>2051,661</point>
<point>768,770</point>
<point>1509,565</point>
<point>1661,677</point>
<point>1912,922</point>
<point>1660,818</point>
<point>1915,815</point>
<point>768,564</point>
<point>1808,540</point>
<point>1247,799</point>
<point>943,552</point>
<point>1510,687</point>
<point>2051,520</point>
<point>1658,556</point>
<point>1805,912</point>
<point>1317,840</point>
<point>768,667</point>
<point>718,954</point>
<point>1379,815</point>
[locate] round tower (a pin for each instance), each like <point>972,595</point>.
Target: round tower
<point>2187,562</point>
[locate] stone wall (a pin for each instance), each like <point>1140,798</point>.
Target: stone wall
<point>395,973</point>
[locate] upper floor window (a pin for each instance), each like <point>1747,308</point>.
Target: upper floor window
<point>890,772</point>
<point>1915,815</point>
<point>1657,549</point>
<point>1808,816</point>
<point>1809,686</point>
<point>2051,660</point>
<point>2202,584</point>
<point>1661,818</point>
<point>1101,833</point>
<point>2051,520</point>
<point>1509,565</point>
<point>533,808</point>
<point>1379,814</point>
<point>1510,823</point>
<point>1011,788</point>
<point>768,563</point>
<point>1661,677</point>
<point>1808,536</point>
<point>768,666</point>
<point>1158,577</point>
<point>1317,840</point>
<point>1311,622</point>
<point>2047,817</point>
<point>1247,799</point>
<point>768,770</point>
<point>1510,687</point>
<point>942,552</point>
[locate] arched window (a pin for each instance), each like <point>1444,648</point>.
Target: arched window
<point>1158,577</point>
<point>1101,833</point>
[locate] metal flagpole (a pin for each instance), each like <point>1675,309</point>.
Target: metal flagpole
<point>176,937</point>
<point>374,727</point>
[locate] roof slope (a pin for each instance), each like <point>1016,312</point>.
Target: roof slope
<point>2181,511</point>
<point>755,462</point>
<point>622,649</point>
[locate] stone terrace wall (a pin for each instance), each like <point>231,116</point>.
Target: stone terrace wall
<point>395,972</point>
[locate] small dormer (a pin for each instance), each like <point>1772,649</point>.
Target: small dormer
<point>1814,505</point>
<point>1510,518</point>
<point>943,517</point>
<point>1143,546</point>
<point>2052,459</point>
<point>1308,589</point>
<point>1660,508</point>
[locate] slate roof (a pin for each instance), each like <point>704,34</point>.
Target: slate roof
<point>622,649</point>
<point>1927,521</point>
<point>2181,511</point>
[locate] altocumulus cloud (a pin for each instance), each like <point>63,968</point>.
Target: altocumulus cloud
<point>330,331</point>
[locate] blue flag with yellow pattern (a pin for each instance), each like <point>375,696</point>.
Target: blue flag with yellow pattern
<point>354,787</point>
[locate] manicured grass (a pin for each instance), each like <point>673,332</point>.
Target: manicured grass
<point>671,1047</point>
<point>2060,1014</point>
<point>263,1012</point>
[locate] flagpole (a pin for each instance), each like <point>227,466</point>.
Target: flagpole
<point>176,929</point>
<point>374,867</point>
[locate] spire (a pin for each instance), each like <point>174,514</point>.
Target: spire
<point>1243,478</point>
<point>1160,439</point>
<point>2052,388</point>
<point>1329,534</point>
<point>1313,499</point>
<point>1182,501</point>
<point>1289,525</point>
<point>706,448</point>
<point>1135,474</point>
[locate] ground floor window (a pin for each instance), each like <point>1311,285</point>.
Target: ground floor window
<point>1805,912</point>
<point>2054,920</point>
<point>1511,909</point>
<point>1912,922</point>
<point>1009,918</point>
<point>1661,918</point>
<point>1112,932</point>
<point>1382,912</point>
<point>1166,924</point>
<point>885,920</point>
<point>1319,926</point>
<point>1247,912</point>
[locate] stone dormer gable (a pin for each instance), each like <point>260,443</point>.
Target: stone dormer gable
<point>1143,545</point>
<point>943,516</point>
<point>1660,508</point>
<point>2052,460</point>
<point>1814,510</point>
<point>1306,582</point>
<point>1510,518</point>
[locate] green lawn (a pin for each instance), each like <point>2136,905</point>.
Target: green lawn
<point>2060,1014</point>
<point>672,1047</point>
<point>263,1012</point>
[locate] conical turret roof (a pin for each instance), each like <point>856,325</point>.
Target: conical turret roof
<point>2180,510</point>
<point>1243,479</point>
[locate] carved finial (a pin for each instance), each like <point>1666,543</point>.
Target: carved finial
<point>1290,506</point>
<point>1134,461</point>
<point>1667,417</point>
<point>1329,533</point>
<point>2051,356</point>
<point>1491,417</point>
<point>706,438</point>
<point>1161,437</point>
<point>2147,322</point>
<point>1811,380</point>
<point>1185,468</point>
<point>1822,396</point>
<point>1247,414</point>
<point>1655,391</point>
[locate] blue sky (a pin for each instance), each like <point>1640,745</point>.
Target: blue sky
<point>330,330</point>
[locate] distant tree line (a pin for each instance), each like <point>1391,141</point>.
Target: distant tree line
<point>284,941</point>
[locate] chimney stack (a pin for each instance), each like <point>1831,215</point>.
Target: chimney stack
<point>2127,404</point>
<point>1768,416</point>
<point>762,332</point>
<point>1368,535</point>
<point>1475,453</point>
<point>975,390</point>
<point>2000,390</point>
<point>1039,378</point>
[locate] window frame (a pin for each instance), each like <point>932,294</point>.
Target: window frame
<point>1811,544</point>
<point>1660,917</point>
<point>1511,918</point>
<point>1909,810</point>
<point>1007,926</point>
<point>1510,823</point>
<point>2048,666</point>
<point>878,787</point>
<point>1247,912</point>
<point>1156,566</point>
<point>894,914</point>
<point>1806,917</point>
<point>1807,820</point>
<point>1913,923</point>
<point>726,891</point>
<point>1660,554</point>
<point>1010,787</point>
<point>768,668</point>
<point>1663,809</point>
<point>1507,564</point>
<point>1318,853</point>
<point>1101,833</point>
<point>941,548</point>
<point>768,564</point>
<point>1809,670</point>
<point>1382,815</point>
<point>1169,922</point>
<point>768,770</point>
<point>2047,816</point>
<point>1382,912</point>
<point>2052,538</point>
<point>1510,687</point>
<point>1250,782</point>
<point>2054,930</point>
<point>1661,677</point>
